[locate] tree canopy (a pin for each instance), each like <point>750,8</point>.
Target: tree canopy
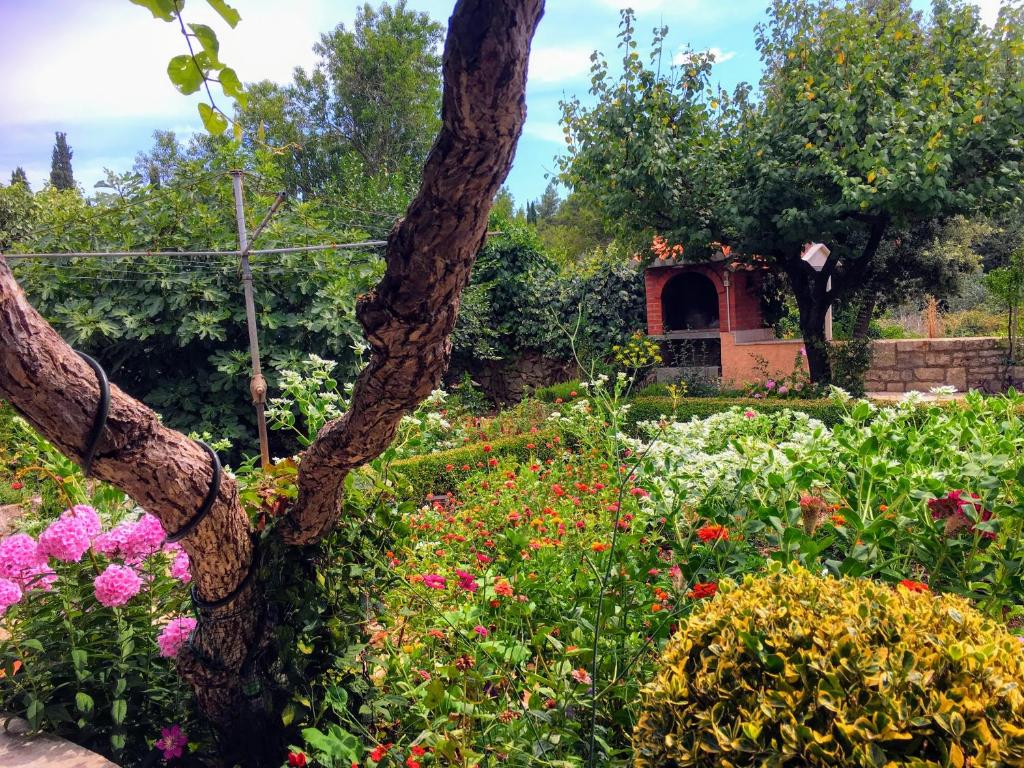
<point>871,117</point>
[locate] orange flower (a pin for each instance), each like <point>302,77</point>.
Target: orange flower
<point>914,586</point>
<point>713,533</point>
<point>599,546</point>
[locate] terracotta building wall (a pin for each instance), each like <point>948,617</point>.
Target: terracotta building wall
<point>742,311</point>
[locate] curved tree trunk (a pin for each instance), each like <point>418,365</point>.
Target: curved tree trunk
<point>407,320</point>
<point>410,315</point>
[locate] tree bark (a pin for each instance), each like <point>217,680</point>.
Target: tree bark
<point>865,313</point>
<point>410,314</point>
<point>809,288</point>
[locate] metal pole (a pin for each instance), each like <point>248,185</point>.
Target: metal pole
<point>257,384</point>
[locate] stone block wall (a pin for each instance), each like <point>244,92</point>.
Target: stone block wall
<point>506,381</point>
<point>903,365</point>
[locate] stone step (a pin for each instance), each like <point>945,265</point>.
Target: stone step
<point>19,750</point>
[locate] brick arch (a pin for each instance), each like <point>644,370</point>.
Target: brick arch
<point>657,278</point>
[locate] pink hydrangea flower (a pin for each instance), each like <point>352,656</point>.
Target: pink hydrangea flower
<point>175,635</point>
<point>10,593</point>
<point>20,557</point>
<point>112,543</point>
<point>87,516</point>
<point>180,568</point>
<point>66,539</point>
<point>132,542</point>
<point>116,585</point>
<point>147,536</point>
<point>172,742</point>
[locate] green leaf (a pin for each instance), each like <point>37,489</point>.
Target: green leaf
<point>229,14</point>
<point>214,122</point>
<point>207,38</point>
<point>184,74</point>
<point>230,83</point>
<point>161,9</point>
<point>119,710</point>
<point>84,702</point>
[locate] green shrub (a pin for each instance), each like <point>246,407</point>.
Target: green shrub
<point>561,390</point>
<point>850,361</point>
<point>793,669</point>
<point>441,472</point>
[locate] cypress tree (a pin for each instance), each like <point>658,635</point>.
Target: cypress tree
<point>60,166</point>
<point>18,176</point>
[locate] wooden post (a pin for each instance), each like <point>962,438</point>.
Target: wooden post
<point>257,384</point>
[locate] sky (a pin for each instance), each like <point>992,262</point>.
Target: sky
<point>96,69</point>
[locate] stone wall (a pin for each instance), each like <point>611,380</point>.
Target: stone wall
<point>920,364</point>
<point>506,381</point>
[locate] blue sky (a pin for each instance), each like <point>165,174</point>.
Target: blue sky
<point>96,69</point>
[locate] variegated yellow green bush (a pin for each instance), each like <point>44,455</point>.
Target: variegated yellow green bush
<point>792,669</point>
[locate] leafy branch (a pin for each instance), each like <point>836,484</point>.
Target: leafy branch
<point>194,70</point>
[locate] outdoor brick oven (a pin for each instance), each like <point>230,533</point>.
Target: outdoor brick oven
<point>707,316</point>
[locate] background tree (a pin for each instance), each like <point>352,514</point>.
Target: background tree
<point>872,118</point>
<point>407,319</point>
<point>18,176</point>
<point>61,176</point>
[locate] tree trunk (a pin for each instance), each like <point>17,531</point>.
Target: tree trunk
<point>410,315</point>
<point>865,313</point>
<point>407,319</point>
<point>811,299</point>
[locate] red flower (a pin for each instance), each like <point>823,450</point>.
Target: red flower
<point>702,590</point>
<point>296,759</point>
<point>379,752</point>
<point>419,751</point>
<point>17,485</point>
<point>713,533</point>
<point>914,586</point>
<point>492,462</point>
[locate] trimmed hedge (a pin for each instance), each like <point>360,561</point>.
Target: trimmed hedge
<point>657,408</point>
<point>430,473</point>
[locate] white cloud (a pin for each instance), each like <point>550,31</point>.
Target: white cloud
<point>545,131</point>
<point>720,56</point>
<point>107,59</point>
<point>555,64</point>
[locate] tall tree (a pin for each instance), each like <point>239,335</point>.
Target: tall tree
<point>376,90</point>
<point>547,206</point>
<point>18,176</point>
<point>407,319</point>
<point>61,176</point>
<point>872,118</point>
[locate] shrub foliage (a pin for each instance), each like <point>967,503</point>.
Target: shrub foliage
<point>792,669</point>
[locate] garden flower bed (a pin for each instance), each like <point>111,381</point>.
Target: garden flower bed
<point>515,619</point>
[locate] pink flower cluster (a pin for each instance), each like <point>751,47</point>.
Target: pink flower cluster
<point>22,562</point>
<point>175,635</point>
<point>116,585</point>
<point>132,542</point>
<point>67,538</point>
<point>180,568</point>
<point>10,593</point>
